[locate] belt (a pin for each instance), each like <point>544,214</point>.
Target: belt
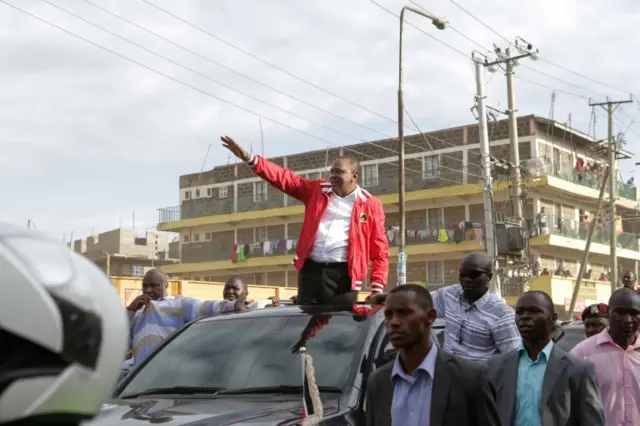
<point>327,264</point>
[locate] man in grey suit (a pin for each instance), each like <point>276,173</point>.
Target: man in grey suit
<point>425,386</point>
<point>538,384</point>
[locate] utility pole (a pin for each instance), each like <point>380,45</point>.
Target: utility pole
<point>612,150</point>
<point>524,49</point>
<point>489,232</point>
<point>587,246</point>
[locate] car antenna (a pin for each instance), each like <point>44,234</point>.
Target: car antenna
<point>313,411</point>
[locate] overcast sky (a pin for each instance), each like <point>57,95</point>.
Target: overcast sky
<point>88,137</point>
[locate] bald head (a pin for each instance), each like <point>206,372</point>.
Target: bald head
<point>477,262</point>
<point>154,284</point>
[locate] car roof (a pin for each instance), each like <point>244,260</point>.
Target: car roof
<point>295,310</point>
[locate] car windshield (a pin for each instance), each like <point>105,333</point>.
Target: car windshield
<point>570,337</point>
<point>255,351</point>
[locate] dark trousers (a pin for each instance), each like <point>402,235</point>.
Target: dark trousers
<point>325,284</point>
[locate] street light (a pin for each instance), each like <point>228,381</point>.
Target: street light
<point>440,24</point>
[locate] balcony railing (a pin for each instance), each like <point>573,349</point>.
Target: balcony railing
<point>211,251</point>
<point>386,182</point>
<point>578,230</point>
<point>589,179</point>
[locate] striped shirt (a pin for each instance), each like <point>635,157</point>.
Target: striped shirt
<point>478,331</point>
<point>151,325</point>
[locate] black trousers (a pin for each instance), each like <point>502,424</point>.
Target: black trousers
<point>325,284</point>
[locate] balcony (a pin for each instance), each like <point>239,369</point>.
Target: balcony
<point>566,172</point>
<point>215,256</point>
<point>459,181</point>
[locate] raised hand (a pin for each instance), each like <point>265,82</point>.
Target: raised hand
<point>234,147</point>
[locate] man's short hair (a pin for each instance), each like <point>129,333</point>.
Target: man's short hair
<point>623,292</point>
<point>548,300</point>
<point>422,295</point>
<point>355,163</point>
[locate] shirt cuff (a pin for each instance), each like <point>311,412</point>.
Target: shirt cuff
<point>252,161</point>
<point>377,287</point>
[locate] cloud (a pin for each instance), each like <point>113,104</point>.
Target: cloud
<point>88,137</point>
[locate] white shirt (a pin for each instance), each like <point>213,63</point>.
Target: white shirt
<point>332,238</point>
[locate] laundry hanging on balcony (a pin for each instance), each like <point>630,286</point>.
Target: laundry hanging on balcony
<point>238,254</point>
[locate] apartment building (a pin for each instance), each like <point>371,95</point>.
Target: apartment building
<point>127,253</point>
<point>232,223</point>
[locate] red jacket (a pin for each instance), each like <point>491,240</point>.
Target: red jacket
<point>367,238</point>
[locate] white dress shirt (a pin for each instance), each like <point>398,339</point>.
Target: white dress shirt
<point>332,238</point>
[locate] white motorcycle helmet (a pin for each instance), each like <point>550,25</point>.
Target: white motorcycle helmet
<point>63,332</point>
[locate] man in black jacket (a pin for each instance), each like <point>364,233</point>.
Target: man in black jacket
<point>425,385</point>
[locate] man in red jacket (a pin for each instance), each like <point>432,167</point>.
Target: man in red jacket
<point>342,232</point>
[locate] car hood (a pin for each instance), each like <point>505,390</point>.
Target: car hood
<point>237,410</point>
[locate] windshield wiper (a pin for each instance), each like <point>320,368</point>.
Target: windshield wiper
<point>288,389</point>
<point>180,390</point>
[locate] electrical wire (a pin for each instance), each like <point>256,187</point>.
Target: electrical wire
<point>226,86</point>
<point>202,90</point>
<point>242,75</point>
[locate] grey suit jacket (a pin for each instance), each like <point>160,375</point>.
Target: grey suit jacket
<point>462,394</point>
<point>570,391</point>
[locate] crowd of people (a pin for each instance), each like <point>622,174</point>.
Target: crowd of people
<point>497,365</point>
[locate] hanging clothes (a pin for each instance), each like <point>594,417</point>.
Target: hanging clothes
<point>442,236</point>
<point>479,233</point>
<point>266,247</point>
<point>458,235</point>
<point>240,253</point>
<point>234,254</point>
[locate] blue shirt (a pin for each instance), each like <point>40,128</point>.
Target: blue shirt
<point>411,404</point>
<point>529,386</point>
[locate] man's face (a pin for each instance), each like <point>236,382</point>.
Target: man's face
<point>154,285</point>
<point>594,325</point>
<point>629,279</point>
<point>624,315</point>
<point>533,318</point>
<point>342,174</point>
<point>407,324</point>
<point>234,290</point>
<point>474,281</point>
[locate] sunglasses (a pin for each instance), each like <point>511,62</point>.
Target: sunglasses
<point>471,274</point>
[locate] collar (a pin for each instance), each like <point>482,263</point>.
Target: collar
<point>428,364</point>
<point>357,193</point>
<point>604,337</point>
<point>546,351</point>
<point>478,303</point>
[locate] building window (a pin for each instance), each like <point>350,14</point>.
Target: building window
<point>196,237</point>
<point>260,234</point>
<point>187,195</point>
<point>185,239</point>
<point>313,175</point>
<point>209,192</point>
<point>370,175</point>
<point>196,278</point>
<point>197,193</point>
<point>223,192</point>
<point>207,236</point>
<point>430,167</point>
<point>435,221</point>
<point>259,191</point>
<point>435,275</point>
<point>137,271</point>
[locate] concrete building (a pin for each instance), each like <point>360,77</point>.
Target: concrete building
<point>123,252</point>
<point>228,207</point>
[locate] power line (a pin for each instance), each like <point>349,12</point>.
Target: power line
<point>245,76</point>
<point>201,90</point>
<point>487,26</point>
<point>290,74</point>
<point>231,88</point>
<point>208,59</point>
